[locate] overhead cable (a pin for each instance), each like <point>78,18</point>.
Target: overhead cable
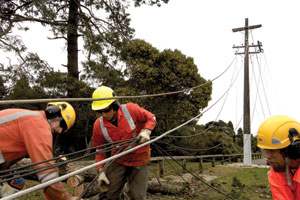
<point>225,94</point>
<point>35,101</point>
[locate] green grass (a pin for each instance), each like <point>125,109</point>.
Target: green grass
<point>237,182</point>
<point>39,194</point>
<point>243,183</point>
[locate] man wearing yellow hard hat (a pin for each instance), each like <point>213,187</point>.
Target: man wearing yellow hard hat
<point>120,123</point>
<point>26,132</point>
<point>279,138</point>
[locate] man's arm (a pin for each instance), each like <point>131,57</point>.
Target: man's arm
<point>37,138</point>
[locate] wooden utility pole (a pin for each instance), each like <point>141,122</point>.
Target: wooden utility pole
<point>246,115</point>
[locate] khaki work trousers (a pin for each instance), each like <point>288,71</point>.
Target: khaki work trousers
<point>118,175</point>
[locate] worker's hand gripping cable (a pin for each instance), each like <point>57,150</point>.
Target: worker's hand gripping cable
<point>144,135</point>
<point>101,177</point>
<point>103,182</point>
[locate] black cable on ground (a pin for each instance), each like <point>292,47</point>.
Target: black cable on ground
<point>226,195</point>
<point>157,147</point>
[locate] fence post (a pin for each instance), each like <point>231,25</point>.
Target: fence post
<point>229,159</point>
<point>200,164</point>
<point>184,165</point>
<point>161,168</point>
<point>222,161</point>
<point>213,162</point>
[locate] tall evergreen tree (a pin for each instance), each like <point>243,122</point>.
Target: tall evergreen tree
<point>104,26</point>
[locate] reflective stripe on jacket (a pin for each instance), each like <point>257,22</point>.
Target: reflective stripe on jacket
<point>128,124</point>
<point>279,187</point>
<point>128,119</point>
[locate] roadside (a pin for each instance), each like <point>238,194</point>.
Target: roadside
<point>236,180</point>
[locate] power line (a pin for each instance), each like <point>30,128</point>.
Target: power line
<point>34,101</point>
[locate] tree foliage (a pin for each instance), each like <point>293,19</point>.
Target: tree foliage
<point>151,72</point>
<point>103,25</point>
<point>215,137</point>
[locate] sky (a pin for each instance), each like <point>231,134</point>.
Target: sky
<point>203,30</point>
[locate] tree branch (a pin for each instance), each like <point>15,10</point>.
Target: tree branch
<point>6,30</point>
<point>20,18</point>
<point>15,49</point>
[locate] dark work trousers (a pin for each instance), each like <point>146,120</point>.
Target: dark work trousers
<point>118,175</point>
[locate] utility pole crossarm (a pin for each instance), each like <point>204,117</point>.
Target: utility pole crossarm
<point>241,53</point>
<point>246,28</point>
<point>255,45</point>
<point>259,45</point>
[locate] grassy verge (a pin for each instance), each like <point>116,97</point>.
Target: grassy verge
<point>242,183</point>
<point>236,182</point>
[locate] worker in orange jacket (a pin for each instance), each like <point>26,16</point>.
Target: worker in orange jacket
<point>279,138</point>
<point>26,132</point>
<point>117,123</point>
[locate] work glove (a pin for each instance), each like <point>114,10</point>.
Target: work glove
<point>144,135</point>
<point>103,182</point>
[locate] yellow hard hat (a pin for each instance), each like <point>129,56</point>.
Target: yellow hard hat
<point>67,112</point>
<point>273,133</point>
<point>103,92</point>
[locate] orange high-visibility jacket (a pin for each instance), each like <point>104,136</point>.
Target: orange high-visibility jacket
<point>279,186</point>
<point>141,118</point>
<point>25,132</point>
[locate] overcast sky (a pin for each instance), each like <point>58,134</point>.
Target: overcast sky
<point>203,30</point>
